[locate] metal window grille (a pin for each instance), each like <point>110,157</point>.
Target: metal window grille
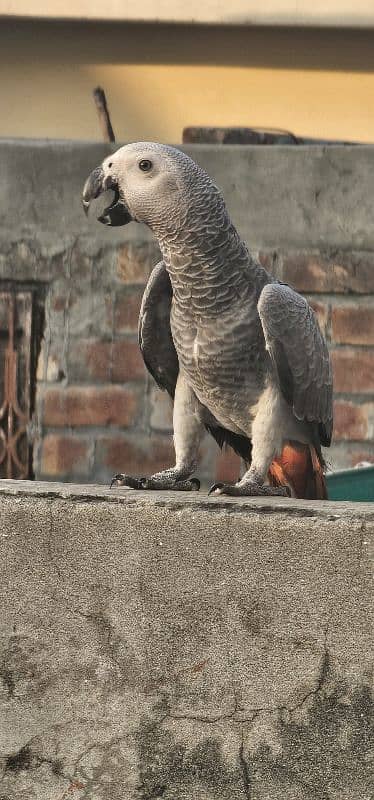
<point>15,382</point>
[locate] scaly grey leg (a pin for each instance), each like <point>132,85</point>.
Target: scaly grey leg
<point>267,441</point>
<point>188,432</point>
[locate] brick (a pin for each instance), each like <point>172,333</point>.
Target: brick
<point>127,362</point>
<point>322,313</point>
<point>140,455</point>
<point>341,273</point>
<point>135,261</point>
<point>90,312</point>
<point>269,260</point>
<point>229,466</point>
<point>350,421</point>
<point>59,303</point>
<point>161,410</point>
<point>90,406</point>
<point>109,310</point>
<point>65,455</point>
<point>126,313</point>
<point>78,264</point>
<point>353,371</point>
<point>89,359</point>
<point>111,362</point>
<point>353,324</point>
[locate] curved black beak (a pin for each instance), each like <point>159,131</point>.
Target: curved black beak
<point>117,212</point>
<point>93,187</point>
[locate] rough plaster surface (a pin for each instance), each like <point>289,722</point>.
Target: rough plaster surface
<point>166,645</point>
<point>278,196</point>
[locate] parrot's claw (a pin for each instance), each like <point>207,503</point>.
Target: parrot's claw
<point>216,488</point>
<point>192,485</point>
<point>156,482</point>
<point>249,489</point>
<point>127,480</point>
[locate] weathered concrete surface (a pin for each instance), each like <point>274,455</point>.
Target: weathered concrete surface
<point>182,647</point>
<point>296,197</point>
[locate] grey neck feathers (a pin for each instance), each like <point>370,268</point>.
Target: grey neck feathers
<point>209,265</point>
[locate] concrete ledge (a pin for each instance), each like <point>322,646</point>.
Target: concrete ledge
<point>167,645</point>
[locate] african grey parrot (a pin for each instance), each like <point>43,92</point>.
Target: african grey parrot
<point>240,353</point>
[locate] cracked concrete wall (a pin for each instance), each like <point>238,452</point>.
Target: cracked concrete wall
<point>187,648</point>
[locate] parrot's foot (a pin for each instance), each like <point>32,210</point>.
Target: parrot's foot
<point>168,479</point>
<point>249,489</point>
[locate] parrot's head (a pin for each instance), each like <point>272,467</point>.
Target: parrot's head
<point>152,183</point>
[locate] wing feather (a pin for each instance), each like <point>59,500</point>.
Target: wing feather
<point>154,334</point>
<point>299,354</point>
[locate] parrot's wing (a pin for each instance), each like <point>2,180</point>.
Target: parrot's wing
<point>159,353</point>
<point>299,354</point>
<point>155,339</point>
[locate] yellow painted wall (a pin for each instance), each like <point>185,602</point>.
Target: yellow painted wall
<point>159,79</point>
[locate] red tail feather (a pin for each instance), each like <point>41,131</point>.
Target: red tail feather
<point>300,468</point>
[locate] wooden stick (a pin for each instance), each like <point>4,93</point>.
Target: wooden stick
<point>104,118</point>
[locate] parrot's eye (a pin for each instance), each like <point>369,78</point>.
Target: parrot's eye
<point>145,165</point>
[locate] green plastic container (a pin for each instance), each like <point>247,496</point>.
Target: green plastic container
<point>351,484</point>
